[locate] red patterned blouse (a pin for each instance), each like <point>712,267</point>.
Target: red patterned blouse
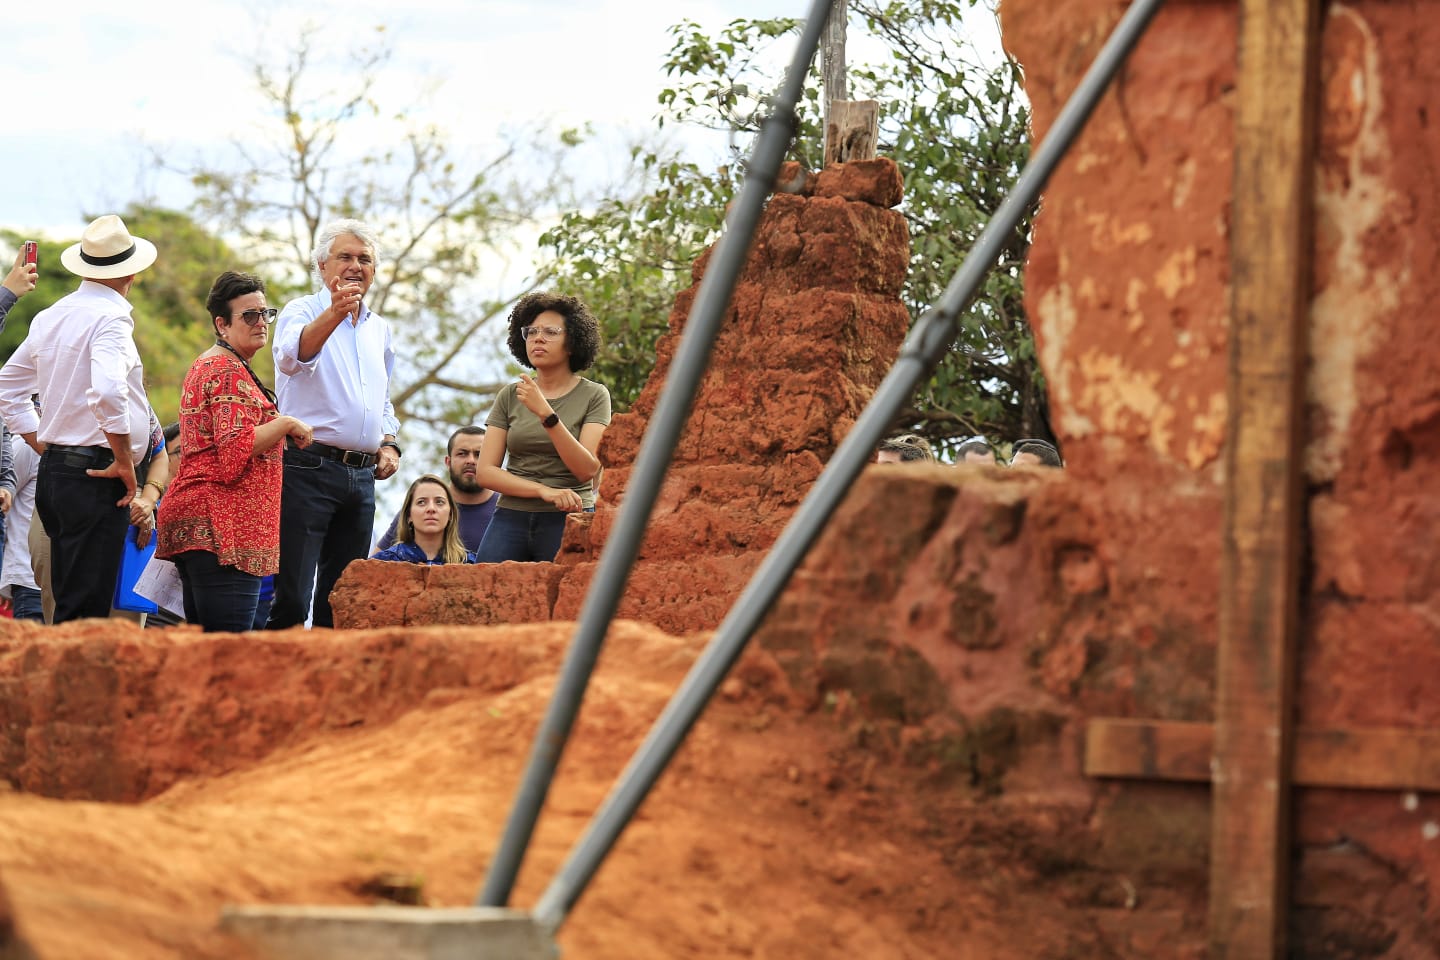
<point>224,499</point>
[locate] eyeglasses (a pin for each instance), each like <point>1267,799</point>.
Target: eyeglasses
<point>549,333</point>
<point>256,317</point>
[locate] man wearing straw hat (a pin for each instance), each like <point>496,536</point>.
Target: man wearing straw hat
<point>80,357</point>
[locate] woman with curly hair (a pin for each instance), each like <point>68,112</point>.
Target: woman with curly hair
<point>428,528</point>
<point>549,426</point>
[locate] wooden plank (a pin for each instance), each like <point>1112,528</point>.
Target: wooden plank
<point>1149,749</point>
<point>1260,550</point>
<point>1366,758</point>
<point>1376,759</point>
<point>853,131</point>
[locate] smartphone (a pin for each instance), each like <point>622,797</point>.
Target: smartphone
<point>32,251</point>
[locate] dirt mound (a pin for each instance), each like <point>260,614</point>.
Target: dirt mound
<point>775,834</point>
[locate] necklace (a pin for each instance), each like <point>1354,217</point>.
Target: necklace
<point>269,395</point>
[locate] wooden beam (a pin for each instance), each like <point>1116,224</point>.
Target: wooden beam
<point>853,131</point>
<point>1260,570</point>
<point>1149,749</point>
<point>1366,758</point>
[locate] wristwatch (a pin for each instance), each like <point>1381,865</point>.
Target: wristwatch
<point>393,446</point>
<point>551,420</point>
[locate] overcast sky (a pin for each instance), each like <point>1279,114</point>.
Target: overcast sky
<point>101,80</point>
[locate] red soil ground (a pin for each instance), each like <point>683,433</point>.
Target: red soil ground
<point>777,833</point>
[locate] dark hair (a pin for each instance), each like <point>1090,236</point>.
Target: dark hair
<point>975,445</point>
<point>227,287</point>
<point>582,330</point>
<point>472,430</point>
<point>1043,449</point>
<point>910,447</point>
<point>452,550</point>
<point>172,430</point>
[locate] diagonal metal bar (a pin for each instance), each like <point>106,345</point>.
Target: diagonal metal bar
<point>671,413</point>
<point>928,342</point>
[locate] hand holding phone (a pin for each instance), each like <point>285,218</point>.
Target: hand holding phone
<point>21,278</point>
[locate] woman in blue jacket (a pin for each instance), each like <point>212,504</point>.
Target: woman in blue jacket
<point>429,527</point>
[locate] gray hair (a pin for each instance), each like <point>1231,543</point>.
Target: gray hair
<point>333,231</point>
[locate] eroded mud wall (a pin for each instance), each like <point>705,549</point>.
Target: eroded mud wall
<point>995,613</point>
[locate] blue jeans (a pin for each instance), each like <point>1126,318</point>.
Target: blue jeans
<point>219,597</point>
<point>523,536</point>
<point>267,594</point>
<point>25,603</point>
<point>327,514</point>
<point>87,530</point>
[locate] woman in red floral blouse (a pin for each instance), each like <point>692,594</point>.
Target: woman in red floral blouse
<point>220,517</point>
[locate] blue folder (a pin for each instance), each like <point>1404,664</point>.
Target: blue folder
<point>132,563</point>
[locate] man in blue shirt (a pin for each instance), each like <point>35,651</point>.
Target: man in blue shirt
<point>333,362</point>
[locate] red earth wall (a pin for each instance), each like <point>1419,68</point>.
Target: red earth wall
<point>993,615</point>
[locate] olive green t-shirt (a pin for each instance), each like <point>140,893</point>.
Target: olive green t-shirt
<point>529,451</point>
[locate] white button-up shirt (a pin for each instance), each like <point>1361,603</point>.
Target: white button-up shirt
<point>80,357</point>
<point>343,392</point>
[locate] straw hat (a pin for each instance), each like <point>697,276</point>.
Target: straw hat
<point>106,251</point>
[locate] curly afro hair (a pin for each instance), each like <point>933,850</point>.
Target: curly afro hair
<point>582,330</point>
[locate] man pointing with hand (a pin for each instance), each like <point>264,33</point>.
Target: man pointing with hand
<point>333,362</point>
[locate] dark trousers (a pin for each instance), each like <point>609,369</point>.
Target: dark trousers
<point>523,536</point>
<point>220,598</point>
<point>327,515</point>
<point>86,528</point>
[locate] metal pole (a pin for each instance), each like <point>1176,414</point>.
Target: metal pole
<point>671,413</point>
<point>923,349</point>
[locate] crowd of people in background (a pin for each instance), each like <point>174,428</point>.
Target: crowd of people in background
<point>1026,452</point>
<point>273,494</point>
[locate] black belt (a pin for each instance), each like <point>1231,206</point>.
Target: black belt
<point>90,454</point>
<point>351,458</point>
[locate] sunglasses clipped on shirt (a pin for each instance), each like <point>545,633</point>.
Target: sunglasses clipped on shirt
<point>257,317</point>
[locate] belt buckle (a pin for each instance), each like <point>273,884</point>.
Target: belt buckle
<point>353,458</point>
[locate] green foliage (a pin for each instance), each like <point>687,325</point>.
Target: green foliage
<point>959,131</point>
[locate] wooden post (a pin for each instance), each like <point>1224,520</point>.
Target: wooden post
<point>833,82</point>
<point>1261,538</point>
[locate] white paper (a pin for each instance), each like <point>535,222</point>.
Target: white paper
<point>159,583</point>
